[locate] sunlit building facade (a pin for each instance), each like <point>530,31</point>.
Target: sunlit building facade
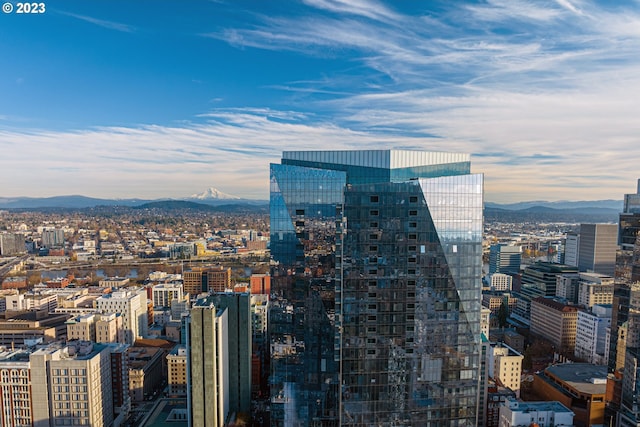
<point>395,237</point>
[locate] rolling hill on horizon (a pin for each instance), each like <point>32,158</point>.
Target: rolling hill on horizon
<point>585,211</point>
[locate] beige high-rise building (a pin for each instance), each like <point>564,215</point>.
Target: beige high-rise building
<point>594,288</point>
<point>100,328</point>
<point>177,371</point>
<point>82,327</point>
<point>109,328</point>
<point>72,385</point>
<point>556,322</point>
<point>505,366</point>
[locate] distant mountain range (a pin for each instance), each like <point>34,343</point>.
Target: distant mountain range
<point>616,205</point>
<point>211,196</point>
<point>169,206</point>
<point>569,212</point>
<point>561,211</point>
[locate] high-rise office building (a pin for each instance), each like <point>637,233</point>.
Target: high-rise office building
<point>504,259</point>
<point>597,248</point>
<point>538,280</point>
<point>556,322</point>
<point>629,223</point>
<point>628,226</point>
<point>624,346</point>
<point>594,288</point>
<point>505,365</point>
<point>501,282</point>
<point>16,408</point>
<point>177,370</point>
<point>571,249</point>
<point>380,265</point>
<point>629,307</point>
<point>632,201</point>
<point>164,293</point>
<point>52,238</point>
<point>591,331</point>
<point>12,244</point>
<point>72,385</point>
<point>210,279</point>
<point>207,366</point>
<point>238,307</point>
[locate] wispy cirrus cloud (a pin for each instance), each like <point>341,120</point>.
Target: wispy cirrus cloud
<point>547,82</point>
<point>111,25</point>
<point>365,8</point>
<point>231,149</point>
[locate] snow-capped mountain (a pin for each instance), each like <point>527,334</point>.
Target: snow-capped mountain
<point>213,194</point>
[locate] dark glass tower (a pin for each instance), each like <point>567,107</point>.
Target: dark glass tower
<point>380,258</point>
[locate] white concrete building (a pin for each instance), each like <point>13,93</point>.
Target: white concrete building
<point>485,320</point>
<point>571,249</point>
<point>132,305</point>
<point>591,334</point>
<point>164,293</point>
<point>543,414</point>
<point>501,282</point>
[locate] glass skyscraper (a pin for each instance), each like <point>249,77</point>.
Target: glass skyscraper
<point>377,309</point>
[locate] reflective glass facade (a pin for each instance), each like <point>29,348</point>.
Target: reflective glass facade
<point>395,265</point>
<point>303,205</point>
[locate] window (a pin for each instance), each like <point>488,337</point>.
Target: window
<point>374,212</point>
<point>374,199</point>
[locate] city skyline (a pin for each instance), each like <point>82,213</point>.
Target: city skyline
<point>164,100</point>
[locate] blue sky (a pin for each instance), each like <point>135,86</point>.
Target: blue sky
<point>156,99</point>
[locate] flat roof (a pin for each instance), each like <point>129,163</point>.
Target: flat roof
<point>580,376</point>
<point>541,406</point>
